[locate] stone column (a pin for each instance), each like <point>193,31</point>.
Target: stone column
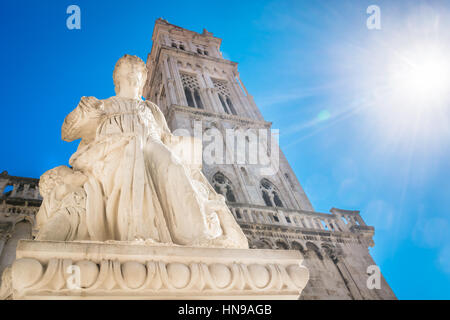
<point>176,76</point>
<point>14,190</point>
<point>3,239</point>
<point>360,220</point>
<point>171,94</point>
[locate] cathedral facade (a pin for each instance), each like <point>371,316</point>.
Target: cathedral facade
<point>200,93</point>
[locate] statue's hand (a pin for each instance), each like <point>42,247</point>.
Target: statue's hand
<point>90,103</point>
<point>82,122</point>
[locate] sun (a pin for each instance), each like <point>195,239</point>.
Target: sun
<point>419,77</point>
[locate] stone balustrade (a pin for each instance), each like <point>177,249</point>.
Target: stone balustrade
<point>336,221</point>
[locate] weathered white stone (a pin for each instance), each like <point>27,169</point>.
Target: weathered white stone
<point>131,178</point>
<point>119,270</point>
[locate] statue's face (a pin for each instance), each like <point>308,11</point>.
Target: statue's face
<point>130,76</point>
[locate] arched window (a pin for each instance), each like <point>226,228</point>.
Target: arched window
<point>7,190</point>
<point>270,194</point>
<point>261,244</point>
<point>230,106</point>
<point>198,101</point>
<point>266,198</point>
<point>297,246</point>
<point>282,245</point>
<point>224,106</point>
<point>223,186</point>
<point>312,248</point>
<point>224,96</point>
<point>191,91</point>
<point>277,200</point>
<point>190,100</point>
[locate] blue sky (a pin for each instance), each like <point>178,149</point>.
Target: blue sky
<point>314,69</point>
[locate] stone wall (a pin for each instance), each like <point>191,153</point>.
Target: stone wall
<point>19,203</point>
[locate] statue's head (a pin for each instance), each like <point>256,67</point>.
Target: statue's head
<point>58,176</point>
<point>130,74</point>
<point>52,178</point>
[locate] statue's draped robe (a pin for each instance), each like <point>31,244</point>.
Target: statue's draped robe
<point>137,188</point>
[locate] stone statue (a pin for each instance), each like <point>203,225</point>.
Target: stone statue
<point>127,183</point>
<point>134,216</point>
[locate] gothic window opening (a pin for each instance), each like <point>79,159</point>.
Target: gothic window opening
<point>177,44</point>
<point>324,225</point>
<point>312,248</point>
<point>224,96</point>
<point>277,200</point>
<point>282,245</point>
<point>224,106</point>
<point>198,100</point>
<point>223,186</point>
<point>191,89</point>
<point>201,49</point>
<point>230,106</point>
<point>267,199</point>
<point>297,246</point>
<point>190,100</point>
<point>8,189</point>
<point>270,194</point>
<point>262,244</point>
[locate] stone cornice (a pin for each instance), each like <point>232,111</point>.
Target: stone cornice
<point>174,29</point>
<point>14,179</point>
<point>216,116</point>
<point>306,212</point>
<point>255,226</point>
<point>184,53</point>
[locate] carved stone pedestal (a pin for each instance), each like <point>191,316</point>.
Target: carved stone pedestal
<point>117,270</point>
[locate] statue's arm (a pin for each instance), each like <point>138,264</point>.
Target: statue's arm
<point>82,122</point>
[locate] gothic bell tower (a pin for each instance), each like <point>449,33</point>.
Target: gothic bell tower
<point>192,83</point>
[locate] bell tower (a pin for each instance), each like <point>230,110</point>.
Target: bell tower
<point>200,91</point>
